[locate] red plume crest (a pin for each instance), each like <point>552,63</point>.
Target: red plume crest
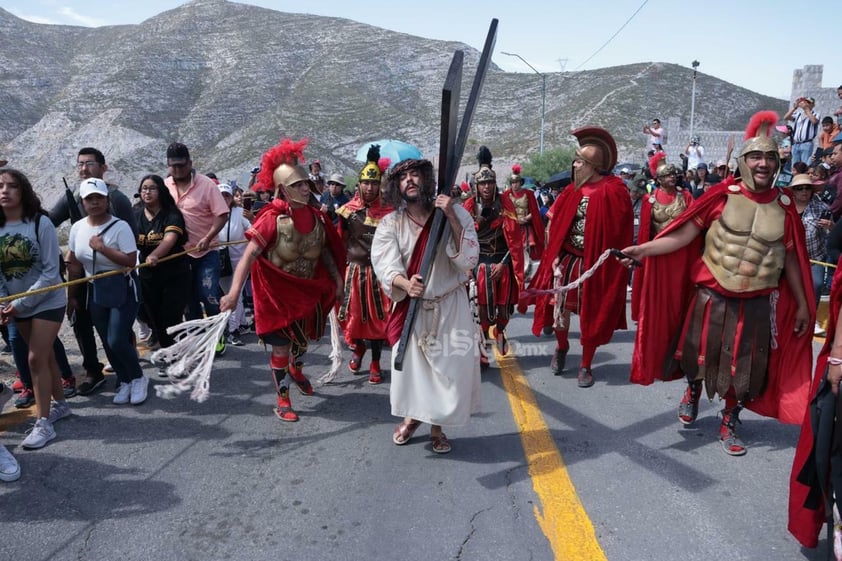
<point>465,187</point>
<point>384,163</point>
<point>516,169</point>
<point>761,124</point>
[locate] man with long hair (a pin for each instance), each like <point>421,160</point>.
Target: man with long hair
<point>439,382</point>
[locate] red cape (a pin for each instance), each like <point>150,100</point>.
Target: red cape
<point>281,298</point>
<point>537,222</point>
<point>666,293</point>
<point>511,232</point>
<point>609,224</point>
<point>805,523</point>
<point>644,234</point>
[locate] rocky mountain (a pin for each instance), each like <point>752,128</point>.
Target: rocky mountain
<point>229,80</point>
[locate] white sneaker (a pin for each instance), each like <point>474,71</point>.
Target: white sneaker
<point>108,368</point>
<point>142,330</point>
<point>138,389</point>
<point>819,330</point>
<point>6,394</point>
<point>9,466</point>
<point>123,393</point>
<point>40,435</point>
<point>58,410</point>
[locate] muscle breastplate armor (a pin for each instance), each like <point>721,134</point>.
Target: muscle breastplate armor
<point>359,237</point>
<point>663,214</point>
<point>576,234</point>
<point>521,205</point>
<point>296,253</point>
<point>744,249</point>
<point>490,231</point>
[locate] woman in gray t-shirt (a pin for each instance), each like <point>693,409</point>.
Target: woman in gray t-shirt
<point>29,260</point>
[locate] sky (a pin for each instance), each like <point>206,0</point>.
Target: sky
<point>740,41</point>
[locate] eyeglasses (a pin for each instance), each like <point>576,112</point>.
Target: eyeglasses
<point>89,164</point>
<point>802,188</point>
<point>148,188</point>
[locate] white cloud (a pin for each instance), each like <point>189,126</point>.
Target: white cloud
<point>81,19</point>
<point>35,19</point>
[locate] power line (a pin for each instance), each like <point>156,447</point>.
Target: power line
<point>612,37</point>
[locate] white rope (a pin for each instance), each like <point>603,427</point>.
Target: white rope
<point>575,284</point>
<point>191,356</point>
<point>473,298</point>
<point>335,350</point>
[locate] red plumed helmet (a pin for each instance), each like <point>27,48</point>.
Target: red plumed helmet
<point>655,161</point>
<point>287,152</point>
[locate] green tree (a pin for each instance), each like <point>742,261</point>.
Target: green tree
<point>542,166</point>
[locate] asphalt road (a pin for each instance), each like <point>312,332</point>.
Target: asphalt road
<point>226,480</point>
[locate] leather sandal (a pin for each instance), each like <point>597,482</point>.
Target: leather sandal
<point>301,381</point>
<point>404,431</point>
<point>440,444</point>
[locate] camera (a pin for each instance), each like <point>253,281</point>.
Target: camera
<point>255,171</point>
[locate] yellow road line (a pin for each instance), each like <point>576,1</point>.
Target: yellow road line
<point>561,516</point>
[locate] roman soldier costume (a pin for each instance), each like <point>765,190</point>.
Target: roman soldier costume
<point>593,215</point>
<point>657,210</point>
<point>500,248</point>
<point>364,310</point>
<point>528,216</point>
<point>727,319</point>
<point>295,277</point>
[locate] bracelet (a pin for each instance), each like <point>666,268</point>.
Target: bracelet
<point>835,361</point>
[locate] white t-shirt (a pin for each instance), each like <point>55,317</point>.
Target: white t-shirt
<point>694,157</point>
<point>118,236</point>
<point>238,226</point>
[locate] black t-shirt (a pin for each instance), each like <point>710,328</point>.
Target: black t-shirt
<point>151,233</point>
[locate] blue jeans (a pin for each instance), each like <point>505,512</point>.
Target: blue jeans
<point>114,326</point>
<point>204,273</point>
<point>20,354</point>
<point>818,280</point>
<point>802,152</point>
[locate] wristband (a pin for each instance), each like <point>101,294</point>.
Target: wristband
<point>835,361</point>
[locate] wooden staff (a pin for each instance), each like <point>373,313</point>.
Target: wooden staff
<point>123,271</point>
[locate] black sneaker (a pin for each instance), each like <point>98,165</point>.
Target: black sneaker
<point>92,383</point>
<point>234,338</point>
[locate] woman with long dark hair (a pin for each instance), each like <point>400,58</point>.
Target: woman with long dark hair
<point>29,260</point>
<point>164,287</point>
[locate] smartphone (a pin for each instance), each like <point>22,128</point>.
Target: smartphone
<point>247,202</point>
<point>826,215</point>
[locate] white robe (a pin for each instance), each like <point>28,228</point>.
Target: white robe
<point>440,380</point>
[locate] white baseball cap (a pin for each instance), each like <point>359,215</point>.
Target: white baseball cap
<point>93,186</point>
<point>225,188</point>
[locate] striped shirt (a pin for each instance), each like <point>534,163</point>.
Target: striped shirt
<point>804,130</point>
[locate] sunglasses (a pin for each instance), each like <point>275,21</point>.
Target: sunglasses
<point>802,188</point>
